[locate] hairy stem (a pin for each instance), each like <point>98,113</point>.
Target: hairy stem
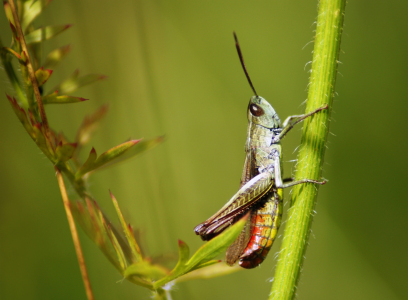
<point>321,88</point>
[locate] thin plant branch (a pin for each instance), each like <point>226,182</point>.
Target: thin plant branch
<point>75,237</point>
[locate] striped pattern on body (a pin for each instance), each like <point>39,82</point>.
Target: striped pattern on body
<point>265,223</point>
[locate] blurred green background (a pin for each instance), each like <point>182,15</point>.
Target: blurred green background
<point>172,69</point>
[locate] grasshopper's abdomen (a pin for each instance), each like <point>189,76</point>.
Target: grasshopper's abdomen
<point>265,224</point>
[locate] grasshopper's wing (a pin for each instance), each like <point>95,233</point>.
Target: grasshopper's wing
<point>250,170</point>
<point>235,250</point>
<point>248,195</point>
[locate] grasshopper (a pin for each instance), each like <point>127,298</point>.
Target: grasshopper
<point>261,188</point>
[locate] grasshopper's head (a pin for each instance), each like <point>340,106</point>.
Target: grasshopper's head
<point>260,112</point>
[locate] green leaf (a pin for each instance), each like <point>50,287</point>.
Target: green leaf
<point>217,245</point>
<point>32,9</point>
<point>63,99</point>
<point>137,255</point>
<point>143,146</point>
<point>56,56</point>
<point>22,116</point>
<point>116,245</point>
<point>138,148</point>
<point>12,52</point>
<point>45,33</point>
<point>42,75</point>
<point>9,13</point>
<point>184,253</point>
<point>145,270</point>
<point>117,154</point>
<point>204,254</point>
<point>89,125</point>
<point>42,142</point>
<point>88,165</point>
<point>92,221</point>
<point>74,82</point>
<point>211,269</point>
<point>11,74</point>
<point>65,151</point>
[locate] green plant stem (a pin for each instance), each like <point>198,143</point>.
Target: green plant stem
<point>30,69</point>
<point>75,237</point>
<point>321,88</point>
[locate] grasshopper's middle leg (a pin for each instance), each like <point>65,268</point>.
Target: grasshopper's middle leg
<point>293,182</point>
<point>288,182</point>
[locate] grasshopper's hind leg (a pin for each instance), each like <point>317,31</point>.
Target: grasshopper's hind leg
<point>293,120</point>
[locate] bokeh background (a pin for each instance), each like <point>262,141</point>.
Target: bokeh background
<point>173,70</point>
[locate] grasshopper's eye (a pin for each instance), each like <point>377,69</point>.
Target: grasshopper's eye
<point>256,110</point>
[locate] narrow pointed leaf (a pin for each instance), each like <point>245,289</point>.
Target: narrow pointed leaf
<point>54,98</point>
<point>217,245</point>
<point>206,264</point>
<point>65,151</point>
<point>145,270</point>
<point>205,253</point>
<point>32,9</point>
<point>209,270</point>
<point>45,33</point>
<point>89,125</point>
<point>96,221</point>
<point>9,14</point>
<point>139,148</point>
<point>91,219</point>
<point>56,56</point>
<point>118,154</point>
<point>184,252</point>
<point>21,115</point>
<point>180,268</point>
<point>136,254</point>
<point>12,52</point>
<point>12,76</point>
<point>116,245</point>
<point>42,75</point>
<point>41,141</point>
<point>88,165</point>
<point>114,154</point>
<point>74,82</point>
<point>140,281</point>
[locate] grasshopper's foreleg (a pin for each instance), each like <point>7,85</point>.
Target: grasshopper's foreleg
<point>288,182</point>
<point>293,120</point>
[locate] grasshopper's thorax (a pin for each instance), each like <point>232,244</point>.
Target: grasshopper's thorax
<point>263,126</point>
<point>263,123</point>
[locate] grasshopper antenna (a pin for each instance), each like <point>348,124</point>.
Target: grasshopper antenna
<point>241,58</point>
